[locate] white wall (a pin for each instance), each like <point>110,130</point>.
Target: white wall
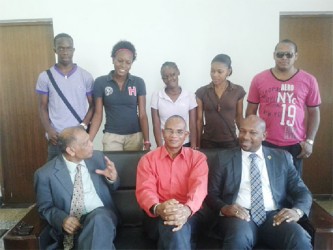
<point>189,32</point>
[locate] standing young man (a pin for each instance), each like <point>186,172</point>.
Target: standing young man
<point>284,94</point>
<point>75,83</point>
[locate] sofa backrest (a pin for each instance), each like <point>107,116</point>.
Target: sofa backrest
<point>126,163</point>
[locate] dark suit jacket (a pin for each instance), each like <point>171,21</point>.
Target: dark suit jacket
<point>225,178</point>
<point>54,188</point>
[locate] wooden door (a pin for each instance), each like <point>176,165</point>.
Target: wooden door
<point>313,35</point>
<point>26,49</point>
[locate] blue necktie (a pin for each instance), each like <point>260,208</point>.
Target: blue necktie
<point>257,201</point>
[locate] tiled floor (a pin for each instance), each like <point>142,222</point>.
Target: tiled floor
<point>325,201</point>
<point>9,217</point>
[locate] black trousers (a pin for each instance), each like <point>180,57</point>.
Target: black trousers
<point>294,150</point>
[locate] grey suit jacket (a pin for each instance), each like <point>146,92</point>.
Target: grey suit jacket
<point>225,178</point>
<point>54,188</point>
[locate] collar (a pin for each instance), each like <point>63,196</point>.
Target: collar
<point>69,73</point>
<point>230,85</point>
<point>259,153</point>
<point>164,95</point>
<point>71,166</point>
<point>165,153</point>
<point>271,70</point>
<point>110,75</point>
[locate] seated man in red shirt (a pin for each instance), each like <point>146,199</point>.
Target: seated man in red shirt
<point>171,185</point>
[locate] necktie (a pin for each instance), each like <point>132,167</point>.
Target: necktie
<point>257,201</point>
<point>77,205</point>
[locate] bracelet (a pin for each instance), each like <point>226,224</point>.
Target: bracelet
<point>154,209</point>
<point>109,180</point>
<point>146,142</point>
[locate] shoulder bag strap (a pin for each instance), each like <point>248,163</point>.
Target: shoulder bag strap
<point>69,106</point>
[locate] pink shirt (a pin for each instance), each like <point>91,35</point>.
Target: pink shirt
<point>160,178</point>
<point>282,104</point>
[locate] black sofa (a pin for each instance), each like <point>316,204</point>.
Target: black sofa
<point>130,233</point>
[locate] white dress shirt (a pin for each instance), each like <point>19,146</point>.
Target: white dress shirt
<point>91,198</point>
<point>244,194</point>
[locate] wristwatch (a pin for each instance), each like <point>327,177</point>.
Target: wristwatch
<point>299,212</point>
<point>84,125</point>
<point>309,141</point>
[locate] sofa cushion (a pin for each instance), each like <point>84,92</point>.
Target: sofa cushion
<point>128,209</point>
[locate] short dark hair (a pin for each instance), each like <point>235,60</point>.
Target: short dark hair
<point>289,42</point>
<point>67,137</point>
<point>169,64</point>
<point>123,45</point>
<point>223,58</point>
<point>62,35</point>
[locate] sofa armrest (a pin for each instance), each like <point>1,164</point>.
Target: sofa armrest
<point>37,237</point>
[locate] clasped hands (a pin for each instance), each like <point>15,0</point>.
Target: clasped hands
<point>240,212</point>
<point>173,213</point>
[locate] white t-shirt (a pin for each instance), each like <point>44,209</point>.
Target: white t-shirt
<point>166,107</point>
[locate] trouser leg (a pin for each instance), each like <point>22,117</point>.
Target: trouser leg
<point>166,238</point>
<point>287,235</point>
<point>236,233</point>
<point>99,230</point>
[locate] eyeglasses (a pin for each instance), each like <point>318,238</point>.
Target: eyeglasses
<point>282,54</point>
<point>178,132</point>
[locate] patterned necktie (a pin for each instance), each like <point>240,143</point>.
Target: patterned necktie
<point>257,201</point>
<point>77,205</point>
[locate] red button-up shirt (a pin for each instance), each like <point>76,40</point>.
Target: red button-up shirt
<point>160,178</point>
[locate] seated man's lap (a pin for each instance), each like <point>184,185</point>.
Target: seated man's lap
<point>98,225</point>
<point>100,214</point>
<point>155,227</point>
<point>286,235</point>
<point>237,233</point>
